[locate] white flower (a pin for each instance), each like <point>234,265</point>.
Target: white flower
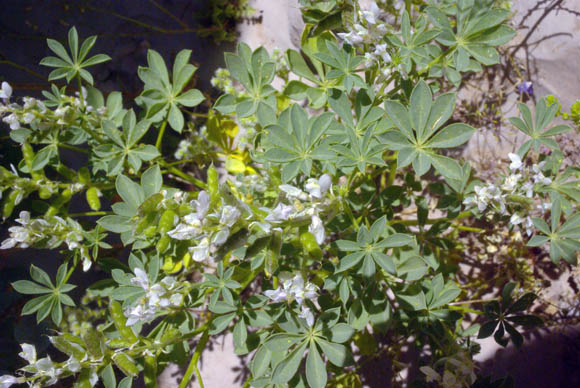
<point>292,288</point>
<point>516,219</point>
<point>201,204</point>
<point>141,279</point>
<point>5,91</point>
<point>47,368</point>
<point>277,295</point>
<point>138,314</point>
<point>229,216</point>
<point>28,353</point>
<point>294,192</point>
<point>317,229</point>
<point>511,182</point>
<point>6,381</point>
<point>381,51</point>
<point>372,14</point>
<point>184,232</point>
<point>12,120</point>
<point>176,299</point>
<point>539,176</point>
<point>201,251</point>
<point>307,314</point>
<point>280,213</point>
<point>516,163</point>
<point>318,187</point>
<point>73,365</point>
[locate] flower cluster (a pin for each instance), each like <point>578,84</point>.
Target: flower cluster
<point>211,230</point>
<point>505,197</point>
<point>44,372</point>
<point>222,80</point>
<point>47,233</point>
<point>37,115</point>
<point>302,205</point>
<point>370,30</point>
<point>158,296</point>
<point>293,288</point>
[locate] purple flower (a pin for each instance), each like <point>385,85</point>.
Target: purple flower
<point>526,87</point>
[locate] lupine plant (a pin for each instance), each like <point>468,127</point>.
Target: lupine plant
<point>310,220</point>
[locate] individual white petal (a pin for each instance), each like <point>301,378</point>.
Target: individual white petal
<point>28,353</point>
<point>6,91</point>
<point>516,163</point>
<point>277,295</point>
<point>280,213</point>
<point>317,229</point>
<point>307,314</point>
<point>7,380</point>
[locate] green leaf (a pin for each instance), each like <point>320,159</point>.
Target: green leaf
<point>116,224</point>
<point>447,167</point>
<point>315,368</point>
<point>59,50</point>
<point>220,323</point>
<point>341,332</point>
<point>399,116</point>
<point>395,240</point>
<point>131,193</point>
<point>40,276</point>
<point>417,301</point>
<point>287,368</point>
<point>151,181</point>
<point>36,304</point>
<point>95,60</point>
<point>30,288</point>
<point>487,329</point>
<point>191,98</point>
<point>421,101</point>
<point>451,136</point>
<point>336,353</point>
<point>261,361</point>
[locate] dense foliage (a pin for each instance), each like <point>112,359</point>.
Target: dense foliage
<point>307,219</point>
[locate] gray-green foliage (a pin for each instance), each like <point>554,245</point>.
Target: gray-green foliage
<point>335,230</point>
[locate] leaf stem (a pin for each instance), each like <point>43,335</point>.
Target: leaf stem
<point>88,214</point>
<point>160,135</point>
<point>193,368</point>
<point>184,176</point>
<point>70,147</point>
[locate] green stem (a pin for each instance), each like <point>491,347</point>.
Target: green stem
<point>70,147</point>
<point>184,176</point>
<point>87,214</point>
<point>160,135</point>
<point>435,61</point>
<point>193,368</point>
<point>80,83</point>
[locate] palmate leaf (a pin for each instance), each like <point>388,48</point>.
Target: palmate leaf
<point>124,145</point>
<point>506,314</point>
<point>563,240</point>
<point>418,132</point>
<point>536,129</point>
<point>369,248</point>
<point>164,94</point>
<point>72,65</point>
<point>479,29</point>
<point>295,141</point>
<point>50,303</point>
